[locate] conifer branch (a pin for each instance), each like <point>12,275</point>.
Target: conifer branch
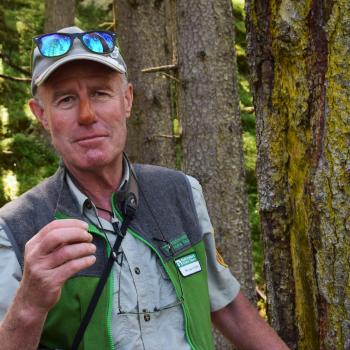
<point>17,79</point>
<point>8,61</point>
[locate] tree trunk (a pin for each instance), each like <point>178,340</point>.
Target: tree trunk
<point>58,14</point>
<point>145,43</point>
<point>300,69</point>
<point>212,135</point>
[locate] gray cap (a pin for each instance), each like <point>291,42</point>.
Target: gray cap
<point>42,66</point>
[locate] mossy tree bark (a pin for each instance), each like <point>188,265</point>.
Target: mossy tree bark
<point>58,14</point>
<point>145,43</point>
<point>212,135</point>
<point>300,70</point>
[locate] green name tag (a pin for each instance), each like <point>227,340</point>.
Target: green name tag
<point>188,264</point>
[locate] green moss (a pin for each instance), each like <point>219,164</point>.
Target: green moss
<point>290,149</point>
<point>334,247</point>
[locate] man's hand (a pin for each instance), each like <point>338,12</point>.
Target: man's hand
<point>58,251</point>
<point>54,254</point>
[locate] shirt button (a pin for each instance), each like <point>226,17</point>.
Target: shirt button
<point>88,204</point>
<point>146,317</point>
<point>137,270</point>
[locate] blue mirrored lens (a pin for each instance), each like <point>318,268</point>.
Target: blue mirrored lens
<point>54,45</point>
<point>99,42</point>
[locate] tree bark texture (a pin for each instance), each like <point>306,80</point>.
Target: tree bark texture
<point>300,77</point>
<point>197,37</point>
<point>58,14</point>
<point>212,135</point>
<point>145,43</point>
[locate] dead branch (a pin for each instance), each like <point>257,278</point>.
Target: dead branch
<point>260,294</point>
<point>159,68</point>
<point>248,110</point>
<point>171,77</point>
<point>152,137</point>
<point>18,79</point>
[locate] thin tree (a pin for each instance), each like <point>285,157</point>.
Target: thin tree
<point>58,14</point>
<point>212,133</point>
<point>299,60</point>
<point>147,47</point>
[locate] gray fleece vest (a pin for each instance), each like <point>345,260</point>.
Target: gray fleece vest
<point>166,220</point>
<point>166,215</point>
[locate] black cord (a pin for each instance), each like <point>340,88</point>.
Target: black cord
<point>129,214</point>
<point>98,291</point>
<point>110,212</point>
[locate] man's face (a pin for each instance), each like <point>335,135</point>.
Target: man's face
<point>84,105</point>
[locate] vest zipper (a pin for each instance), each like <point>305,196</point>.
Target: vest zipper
<point>94,229</point>
<point>110,311</point>
<point>136,235</point>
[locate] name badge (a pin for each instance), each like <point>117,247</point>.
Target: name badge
<point>188,264</point>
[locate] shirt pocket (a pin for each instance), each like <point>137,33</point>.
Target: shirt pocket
<point>161,270</point>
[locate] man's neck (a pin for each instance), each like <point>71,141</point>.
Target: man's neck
<point>98,185</point>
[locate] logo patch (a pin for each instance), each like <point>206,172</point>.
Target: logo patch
<point>176,244</point>
<point>220,259</point>
<point>115,54</point>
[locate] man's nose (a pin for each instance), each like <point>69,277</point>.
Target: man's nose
<point>86,112</point>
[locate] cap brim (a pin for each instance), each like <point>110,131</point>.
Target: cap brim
<point>105,60</point>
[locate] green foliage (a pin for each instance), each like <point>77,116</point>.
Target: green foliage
<point>94,15</point>
<point>19,22</point>
<point>26,155</point>
<point>37,159</point>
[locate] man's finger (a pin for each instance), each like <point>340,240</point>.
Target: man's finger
<point>62,236</point>
<point>61,224</point>
<point>69,252</point>
<point>58,236</point>
<point>68,269</point>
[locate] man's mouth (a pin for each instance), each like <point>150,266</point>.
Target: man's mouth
<point>88,139</point>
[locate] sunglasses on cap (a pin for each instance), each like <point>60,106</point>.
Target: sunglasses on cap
<point>58,44</point>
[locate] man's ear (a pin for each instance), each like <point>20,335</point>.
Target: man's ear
<point>128,97</point>
<point>38,111</point>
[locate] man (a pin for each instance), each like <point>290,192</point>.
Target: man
<point>165,286</point>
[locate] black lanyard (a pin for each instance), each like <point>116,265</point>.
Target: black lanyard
<point>130,210</point>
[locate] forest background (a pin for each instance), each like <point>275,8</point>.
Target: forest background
<point>295,139</point>
<point>26,157</point>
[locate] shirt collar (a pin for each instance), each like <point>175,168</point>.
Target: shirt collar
<point>82,199</point>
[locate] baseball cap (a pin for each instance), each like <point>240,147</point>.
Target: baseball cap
<point>43,66</point>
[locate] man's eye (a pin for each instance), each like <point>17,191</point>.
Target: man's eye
<point>65,100</point>
<point>100,93</point>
